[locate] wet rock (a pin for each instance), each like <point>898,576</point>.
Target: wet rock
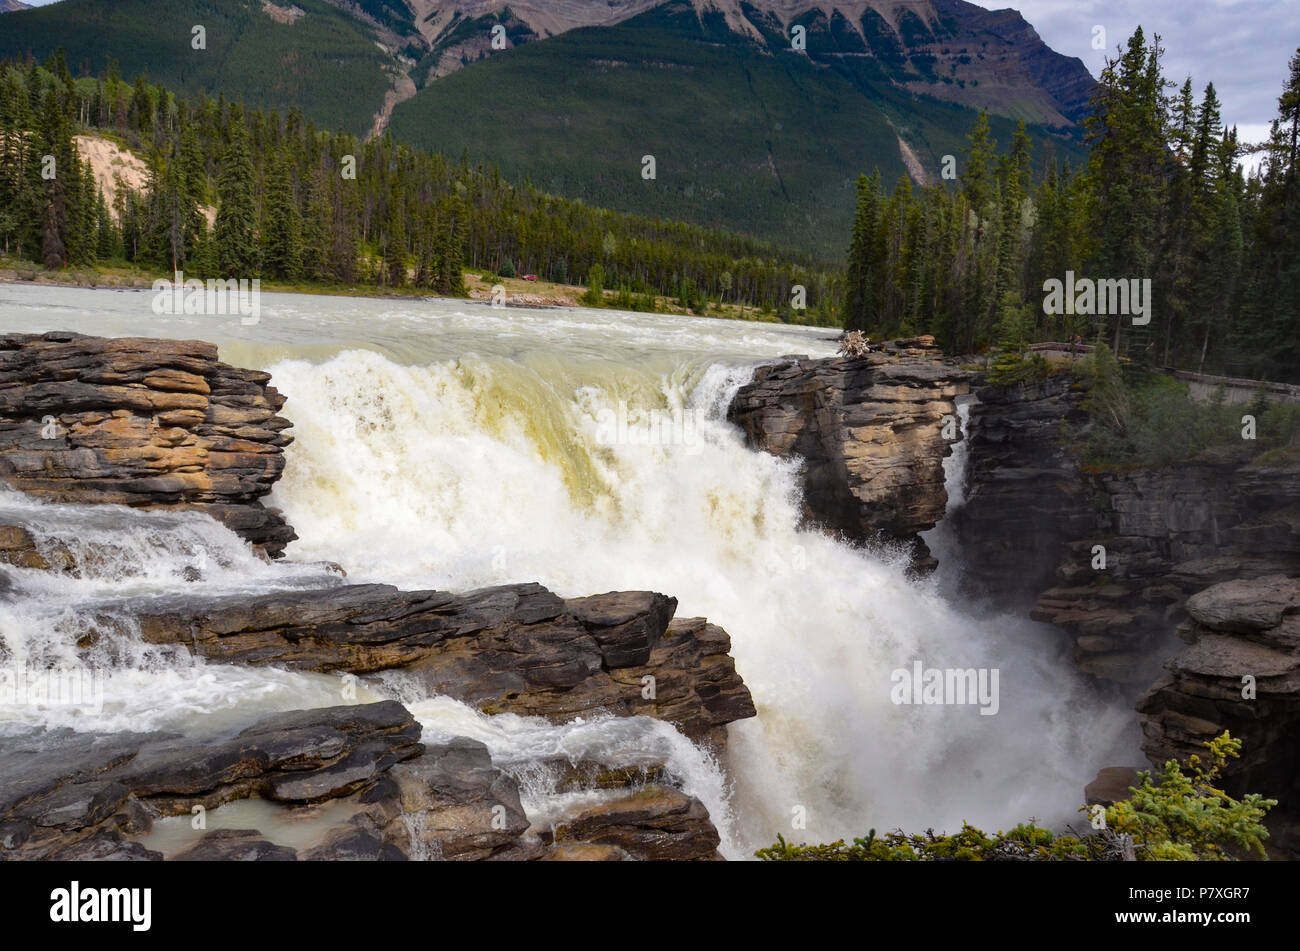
<point>1111,785</point>
<point>79,794</point>
<point>452,804</point>
<point>19,548</point>
<point>158,424</point>
<point>656,823</point>
<point>236,845</point>
<point>512,649</point>
<point>870,432</point>
<point>585,852</point>
<point>354,845</point>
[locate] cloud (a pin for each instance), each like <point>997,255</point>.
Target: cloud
<point>1242,46</point>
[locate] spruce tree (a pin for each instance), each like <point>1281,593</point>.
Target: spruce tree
<point>862,277</point>
<point>281,224</point>
<point>236,225</point>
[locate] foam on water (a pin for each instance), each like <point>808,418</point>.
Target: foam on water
<point>467,473</point>
<point>445,445</point>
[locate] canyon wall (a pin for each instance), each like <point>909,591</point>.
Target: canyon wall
<point>1173,582</point>
<point>156,424</point>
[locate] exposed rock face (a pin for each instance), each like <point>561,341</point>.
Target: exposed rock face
<point>1022,494</point>
<point>68,794</point>
<point>1167,534</point>
<point>82,796</point>
<point>452,804</point>
<point>1238,630</point>
<point>656,823</point>
<point>158,424</point>
<point>1209,549</point>
<point>1038,526</point>
<point>1051,87</point>
<point>1112,784</point>
<point>513,649</point>
<point>872,433</point>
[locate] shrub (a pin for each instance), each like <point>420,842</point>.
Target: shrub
<point>595,293</point>
<point>1187,817</point>
<point>1180,817</point>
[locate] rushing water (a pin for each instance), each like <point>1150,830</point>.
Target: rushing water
<point>448,445</point>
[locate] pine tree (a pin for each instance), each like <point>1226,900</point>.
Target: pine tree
<point>281,224</point>
<point>316,228</point>
<point>54,148</point>
<point>396,258</point>
<point>977,176</point>
<point>193,190</point>
<point>236,225</point>
<point>1128,135</point>
<point>863,278</point>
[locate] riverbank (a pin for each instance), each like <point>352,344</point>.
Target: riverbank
<point>479,285</point>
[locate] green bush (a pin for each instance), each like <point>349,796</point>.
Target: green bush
<point>1186,817</point>
<point>1180,817</point>
<point>595,293</point>
<point>1158,423</point>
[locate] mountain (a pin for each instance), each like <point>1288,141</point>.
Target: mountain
<point>950,49</point>
<point>306,53</point>
<point>12,6</point>
<point>747,132</point>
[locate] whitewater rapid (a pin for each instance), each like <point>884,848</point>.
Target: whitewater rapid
<point>445,445</point>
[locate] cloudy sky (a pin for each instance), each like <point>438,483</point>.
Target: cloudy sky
<point>1242,46</point>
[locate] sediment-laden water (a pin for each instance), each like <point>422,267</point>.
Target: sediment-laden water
<point>442,444</point>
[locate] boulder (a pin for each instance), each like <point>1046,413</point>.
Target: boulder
<point>655,823</point>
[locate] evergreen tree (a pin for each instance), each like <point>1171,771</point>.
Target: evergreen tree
<point>236,225</point>
<point>281,224</point>
<point>862,276</point>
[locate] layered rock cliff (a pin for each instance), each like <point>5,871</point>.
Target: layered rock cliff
<point>1122,559</point>
<point>158,424</point>
<point>1023,496</point>
<point>513,649</point>
<point>871,434</point>
<point>1241,673</point>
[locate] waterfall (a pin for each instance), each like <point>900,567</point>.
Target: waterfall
<point>439,445</point>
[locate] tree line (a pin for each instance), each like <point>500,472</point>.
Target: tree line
<point>1162,197</point>
<point>239,194</point>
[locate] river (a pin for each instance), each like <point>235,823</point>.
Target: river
<point>447,444</point>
